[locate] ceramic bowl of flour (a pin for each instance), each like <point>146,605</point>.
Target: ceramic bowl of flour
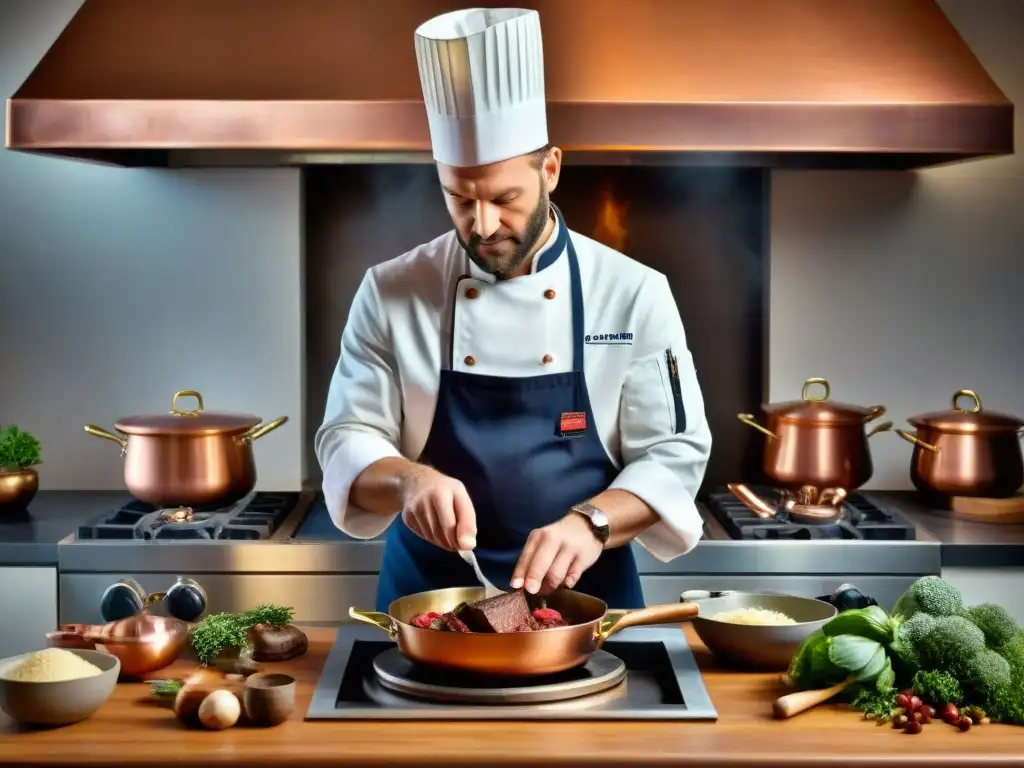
<point>49,689</point>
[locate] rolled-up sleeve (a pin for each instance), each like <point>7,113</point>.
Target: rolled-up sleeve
<point>665,440</point>
<point>362,421</point>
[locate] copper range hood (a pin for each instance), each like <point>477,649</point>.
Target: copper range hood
<point>806,83</point>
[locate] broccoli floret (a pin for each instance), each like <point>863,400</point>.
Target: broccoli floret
<point>998,626</point>
<point>1007,704</point>
<point>950,643</point>
<point>938,688</point>
<point>986,674</point>
<point>931,595</point>
<point>910,635</point>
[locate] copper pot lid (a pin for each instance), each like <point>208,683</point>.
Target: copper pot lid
<point>184,421</point>
<point>967,420</point>
<point>819,409</point>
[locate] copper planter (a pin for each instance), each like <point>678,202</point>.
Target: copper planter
<point>966,452</point>
<point>189,457</point>
<point>817,443</point>
<point>17,489</point>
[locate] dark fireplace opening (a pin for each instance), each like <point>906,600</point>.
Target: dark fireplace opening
<point>704,228</point>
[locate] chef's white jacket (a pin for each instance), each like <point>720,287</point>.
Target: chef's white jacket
<point>384,390</point>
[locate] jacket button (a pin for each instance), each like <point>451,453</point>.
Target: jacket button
<point>472,293</point>
<point>470,360</point>
<point>547,359</point>
<point>549,294</point>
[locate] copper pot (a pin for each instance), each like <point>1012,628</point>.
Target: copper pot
<point>144,643</point>
<point>816,442</point>
<point>189,457</point>
<point>966,452</point>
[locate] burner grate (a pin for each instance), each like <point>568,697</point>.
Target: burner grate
<point>861,519</point>
<point>254,520</point>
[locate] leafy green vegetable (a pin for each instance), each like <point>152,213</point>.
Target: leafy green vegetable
<point>932,595</point>
<point>876,704</point>
<point>858,656</point>
<point>872,623</point>
<point>937,688</point>
<point>226,631</point>
<point>18,449</point>
<point>823,661</point>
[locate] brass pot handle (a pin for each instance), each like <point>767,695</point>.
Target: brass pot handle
<point>885,426</point>
<point>967,393</point>
<point>615,621</point>
<point>95,431</point>
<point>187,393</point>
<point>255,433</point>
<point>751,421</point>
<point>805,392</point>
<point>377,619</point>
<point>915,440</point>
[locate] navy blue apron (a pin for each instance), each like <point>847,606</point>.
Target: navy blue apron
<point>512,444</point>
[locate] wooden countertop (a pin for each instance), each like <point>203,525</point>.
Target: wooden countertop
<point>130,731</point>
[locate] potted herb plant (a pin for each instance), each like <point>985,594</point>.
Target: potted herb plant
<point>19,454</point>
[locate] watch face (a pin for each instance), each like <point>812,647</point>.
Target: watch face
<point>598,518</point>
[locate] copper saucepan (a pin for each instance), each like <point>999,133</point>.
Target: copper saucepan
<point>817,442</point>
<point>966,452</point>
<point>518,654</point>
<point>189,457</point>
<point>144,643</point>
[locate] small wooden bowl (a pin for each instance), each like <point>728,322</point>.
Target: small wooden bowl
<point>269,698</point>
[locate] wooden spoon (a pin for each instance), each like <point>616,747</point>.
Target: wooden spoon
<point>795,703</point>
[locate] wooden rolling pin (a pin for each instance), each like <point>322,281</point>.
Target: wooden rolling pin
<point>795,703</point>
<point>1009,510</point>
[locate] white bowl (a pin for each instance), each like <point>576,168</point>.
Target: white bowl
<point>59,703</point>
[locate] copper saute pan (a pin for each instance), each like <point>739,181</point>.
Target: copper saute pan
<point>189,457</point>
<point>518,654</point>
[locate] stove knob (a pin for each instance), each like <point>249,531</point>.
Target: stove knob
<point>186,600</point>
<point>122,600</point>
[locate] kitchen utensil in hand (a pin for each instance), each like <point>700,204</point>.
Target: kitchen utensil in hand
<point>489,589</point>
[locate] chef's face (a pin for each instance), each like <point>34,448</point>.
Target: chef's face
<point>501,211</point>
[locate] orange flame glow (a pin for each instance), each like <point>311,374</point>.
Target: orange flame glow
<point>611,222</point>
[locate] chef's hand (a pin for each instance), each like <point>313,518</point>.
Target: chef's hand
<point>556,554</point>
<point>437,508</point>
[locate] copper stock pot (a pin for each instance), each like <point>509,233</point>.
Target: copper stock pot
<point>966,452</point>
<point>815,442</point>
<point>189,457</point>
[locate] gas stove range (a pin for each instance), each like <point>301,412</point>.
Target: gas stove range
<point>254,518</point>
<point>645,673</point>
<point>860,519</point>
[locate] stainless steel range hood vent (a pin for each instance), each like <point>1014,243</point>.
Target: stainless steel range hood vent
<point>796,83</point>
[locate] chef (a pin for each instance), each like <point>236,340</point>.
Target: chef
<point>512,388</point>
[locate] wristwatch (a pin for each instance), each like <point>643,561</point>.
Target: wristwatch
<point>598,520</point>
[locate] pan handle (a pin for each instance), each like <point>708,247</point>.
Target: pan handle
<point>379,620</point>
<point>672,613</point>
<point>95,431</point>
<point>255,433</point>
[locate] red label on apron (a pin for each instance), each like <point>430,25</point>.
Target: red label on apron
<point>573,423</point>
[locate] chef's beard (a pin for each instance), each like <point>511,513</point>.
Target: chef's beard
<point>502,265</point>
